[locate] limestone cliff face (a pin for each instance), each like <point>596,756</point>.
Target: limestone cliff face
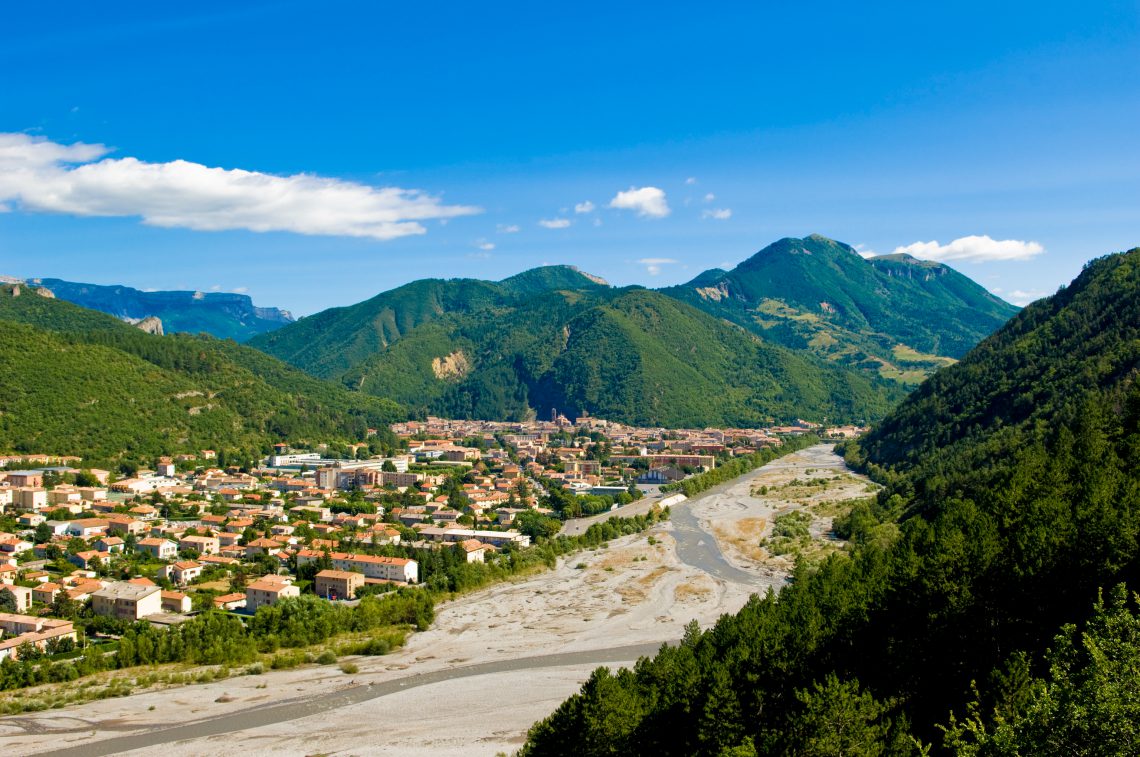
<point>150,325</point>
<point>226,315</point>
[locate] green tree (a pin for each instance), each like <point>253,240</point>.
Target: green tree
<point>1088,705</point>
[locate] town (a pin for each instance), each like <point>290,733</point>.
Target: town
<point>84,552</point>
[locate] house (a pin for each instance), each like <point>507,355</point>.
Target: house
<point>384,568</point>
<point>262,547</point>
<point>163,549</point>
<point>27,629</point>
<point>109,544</point>
<point>182,572</point>
<point>89,559</point>
<point>337,584</point>
<point>30,498</point>
<point>22,595</point>
<point>122,525</point>
<point>229,601</point>
<point>85,528</point>
<point>46,592</point>
<point>146,512</point>
<point>8,574</point>
<point>14,545</point>
<point>175,601</point>
<point>225,562</point>
<point>127,601</point>
<point>269,590</point>
<point>203,545</point>
<point>474,549</point>
<point>25,477</point>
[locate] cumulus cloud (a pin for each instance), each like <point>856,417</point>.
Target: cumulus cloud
<point>974,249</point>
<point>508,228</point>
<point>647,201</point>
<point>43,176</point>
<point>710,197</point>
<point>653,265</point>
<point>484,245</point>
<point>1022,297</point>
<point>554,223</point>
<point>584,207</point>
<point>717,214</point>
<point>865,251</point>
<point>691,180</point>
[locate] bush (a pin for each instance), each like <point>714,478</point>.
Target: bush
<point>328,657</point>
<point>351,668</point>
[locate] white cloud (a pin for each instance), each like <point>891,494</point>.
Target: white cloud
<point>508,228</point>
<point>484,245</point>
<point>554,223</point>
<point>864,251</point>
<point>584,207</point>
<point>1021,297</point>
<point>691,180</point>
<point>647,201</point>
<point>240,290</point>
<point>710,197</point>
<point>597,221</point>
<point>717,214</point>
<point>653,265</point>
<point>974,249</point>
<point>40,175</point>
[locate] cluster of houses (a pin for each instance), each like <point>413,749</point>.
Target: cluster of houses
<point>168,542</point>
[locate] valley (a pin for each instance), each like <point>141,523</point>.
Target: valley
<point>500,657</point>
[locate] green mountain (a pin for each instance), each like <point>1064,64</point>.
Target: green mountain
<point>76,381</point>
<point>891,315</point>
<point>222,314</point>
<point>554,338</point>
<point>1012,496</point>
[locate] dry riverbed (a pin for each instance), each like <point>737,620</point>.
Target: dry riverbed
<point>743,515</point>
<point>635,591</point>
<point>493,662</point>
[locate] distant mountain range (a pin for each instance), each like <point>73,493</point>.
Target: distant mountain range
<point>819,331</point>
<point>893,315</point>
<point>222,314</point>
<point>804,328</point>
<point>555,338</point>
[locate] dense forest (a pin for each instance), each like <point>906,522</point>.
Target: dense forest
<point>75,381</point>
<point>553,338</point>
<point>981,605</point>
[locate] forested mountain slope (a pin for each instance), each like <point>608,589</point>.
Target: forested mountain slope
<point>76,381</point>
<point>892,315</point>
<point>554,338</point>
<point>1012,495</point>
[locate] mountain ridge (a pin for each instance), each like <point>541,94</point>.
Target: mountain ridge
<point>226,315</point>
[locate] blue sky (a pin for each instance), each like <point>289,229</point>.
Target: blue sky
<point>316,154</point>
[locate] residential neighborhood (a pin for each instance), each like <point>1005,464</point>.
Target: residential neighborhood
<point>164,544</point>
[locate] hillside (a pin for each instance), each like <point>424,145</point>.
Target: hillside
<point>76,381</point>
<point>891,315</point>
<point>1012,494</point>
<point>222,314</point>
<point>553,338</point>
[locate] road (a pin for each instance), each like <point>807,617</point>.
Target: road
<point>304,707</point>
<point>578,526</point>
